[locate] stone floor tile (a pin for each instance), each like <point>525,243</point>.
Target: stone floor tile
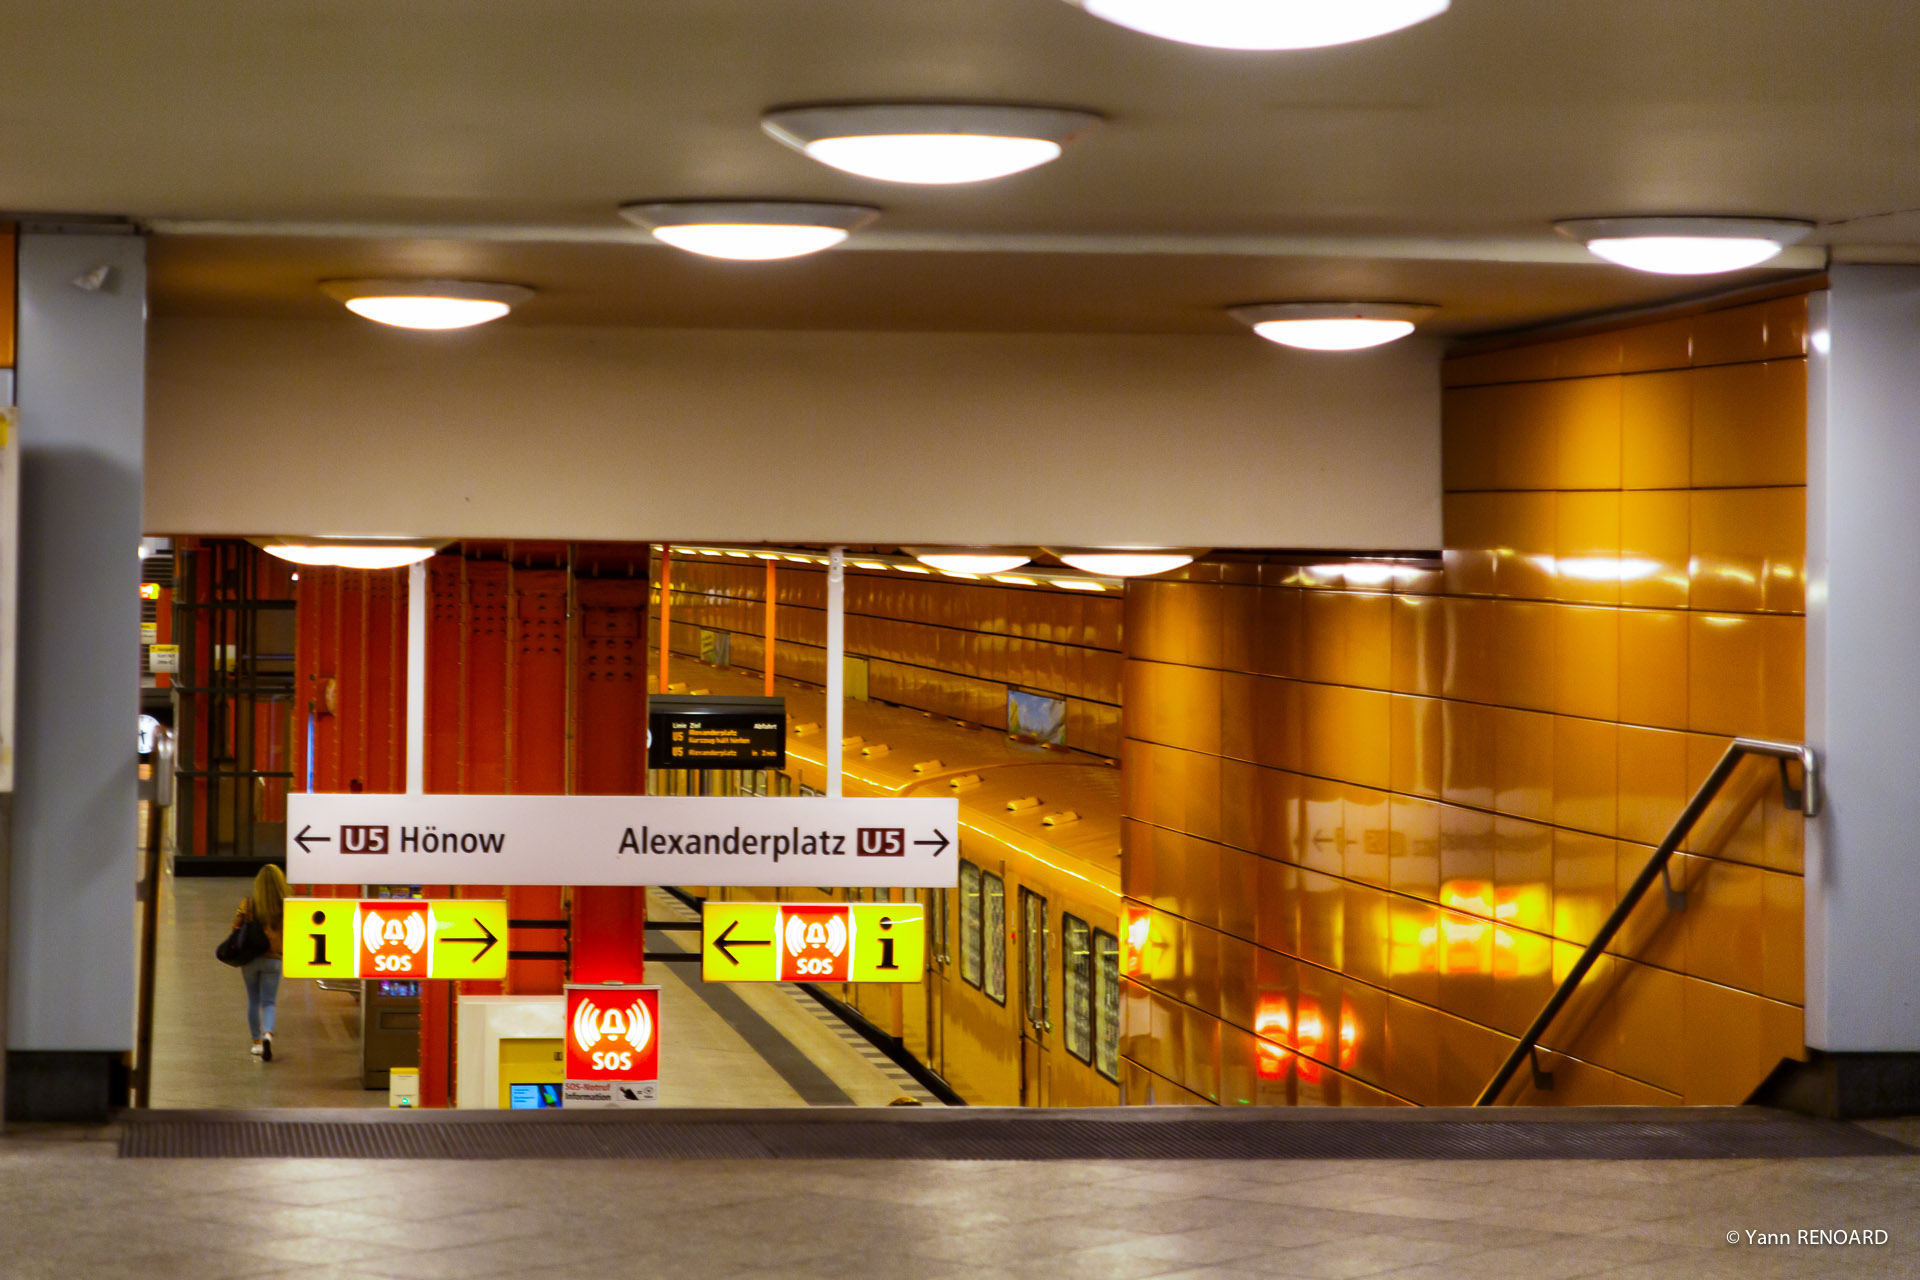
<point>311,1251</point>
<point>1370,1255</point>
<point>1434,1207</point>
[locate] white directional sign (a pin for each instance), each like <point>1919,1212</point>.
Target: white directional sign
<point>630,840</point>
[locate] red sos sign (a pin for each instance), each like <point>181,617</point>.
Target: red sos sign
<point>613,1033</point>
<point>816,943</point>
<point>393,938</point>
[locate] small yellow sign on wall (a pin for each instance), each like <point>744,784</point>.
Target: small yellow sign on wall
<point>813,942</point>
<point>395,937</point>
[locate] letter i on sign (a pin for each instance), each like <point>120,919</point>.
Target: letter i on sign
<point>321,938</point>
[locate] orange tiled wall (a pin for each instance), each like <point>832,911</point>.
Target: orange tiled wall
<point>1371,819</point>
<point>938,644</point>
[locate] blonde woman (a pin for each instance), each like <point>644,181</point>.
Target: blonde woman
<point>265,906</point>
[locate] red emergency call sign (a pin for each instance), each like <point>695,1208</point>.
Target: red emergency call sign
<point>393,938</point>
<point>613,1046</point>
<point>815,943</point>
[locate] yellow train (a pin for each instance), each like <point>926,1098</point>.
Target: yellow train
<point>1021,1001</point>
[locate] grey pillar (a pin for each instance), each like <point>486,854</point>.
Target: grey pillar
<point>81,388</point>
<point>1863,694</point>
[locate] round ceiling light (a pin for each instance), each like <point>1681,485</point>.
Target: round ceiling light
<point>969,559</point>
<point>928,143</point>
<point>1264,24</point>
<point>1129,562</point>
<point>1332,326</point>
<point>749,230</point>
<point>1685,246</point>
<point>350,553</point>
<point>427,304</point>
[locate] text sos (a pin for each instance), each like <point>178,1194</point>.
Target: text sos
<point>813,966</point>
<point>613,1062</point>
<point>391,963</point>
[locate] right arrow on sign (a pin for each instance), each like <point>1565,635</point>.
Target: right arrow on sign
<point>486,940</point>
<point>939,841</point>
<point>725,947</point>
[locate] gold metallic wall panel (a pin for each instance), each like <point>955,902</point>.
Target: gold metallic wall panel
<point>1371,825</point>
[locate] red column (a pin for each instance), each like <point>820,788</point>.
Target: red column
<point>610,758</point>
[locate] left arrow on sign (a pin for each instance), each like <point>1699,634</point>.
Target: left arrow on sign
<point>726,942</point>
<point>303,839</point>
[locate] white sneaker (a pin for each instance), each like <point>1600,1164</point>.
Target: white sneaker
<point>255,1051</point>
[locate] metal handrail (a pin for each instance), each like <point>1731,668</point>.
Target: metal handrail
<point>1805,798</point>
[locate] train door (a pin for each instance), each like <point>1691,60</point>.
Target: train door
<point>939,960</point>
<point>1036,1030</point>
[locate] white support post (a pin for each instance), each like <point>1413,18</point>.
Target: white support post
<point>836,662</point>
<point>417,678</point>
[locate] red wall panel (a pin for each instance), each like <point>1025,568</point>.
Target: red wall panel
<point>536,685</point>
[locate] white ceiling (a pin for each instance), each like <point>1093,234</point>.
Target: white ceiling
<point>429,129</point>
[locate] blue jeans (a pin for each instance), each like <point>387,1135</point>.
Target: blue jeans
<point>263,989</point>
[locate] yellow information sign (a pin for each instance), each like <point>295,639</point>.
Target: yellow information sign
<point>889,941</point>
<point>319,938</point>
<point>395,938</point>
<point>736,941</point>
<point>813,942</point>
<point>469,939</point>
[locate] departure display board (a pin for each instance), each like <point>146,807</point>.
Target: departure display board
<point>700,732</point>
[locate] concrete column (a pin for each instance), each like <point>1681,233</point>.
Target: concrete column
<point>81,383</point>
<point>1863,700</point>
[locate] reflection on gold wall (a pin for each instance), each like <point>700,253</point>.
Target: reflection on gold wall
<point>1373,812</point>
<point>931,642</point>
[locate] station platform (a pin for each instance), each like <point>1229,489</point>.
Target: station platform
<point>76,1207</point>
<point>732,1046</point>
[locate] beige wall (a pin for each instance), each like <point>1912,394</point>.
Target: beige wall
<point>259,426</point>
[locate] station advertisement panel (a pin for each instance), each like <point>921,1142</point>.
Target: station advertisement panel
<point>613,1046</point>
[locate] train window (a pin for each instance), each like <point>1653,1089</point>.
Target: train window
<point>1076,985</point>
<point>1106,1004</point>
<point>969,924</point>
<point>993,933</point>
<point>1033,954</point>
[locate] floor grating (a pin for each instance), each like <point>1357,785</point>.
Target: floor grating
<point>972,1135</point>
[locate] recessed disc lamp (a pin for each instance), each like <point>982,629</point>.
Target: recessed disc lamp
<point>1128,562</point>
<point>427,304</point>
<point>1332,326</point>
<point>350,553</point>
<point>1264,24</point>
<point>969,559</point>
<point>928,143</point>
<point>749,230</point>
<point>1685,246</point>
